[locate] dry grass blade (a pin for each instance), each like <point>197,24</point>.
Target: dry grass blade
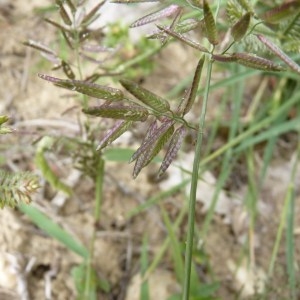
<point>163,13</point>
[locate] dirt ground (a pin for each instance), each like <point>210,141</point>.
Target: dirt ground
<point>34,266</point>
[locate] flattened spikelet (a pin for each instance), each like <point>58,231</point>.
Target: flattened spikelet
<point>210,24</point>
<point>146,144</point>
<point>152,150</point>
<point>112,134</point>
<point>240,28</point>
<point>16,188</point>
<point>162,13</point>
<point>282,12</point>
<point>150,99</point>
<point>183,39</point>
<point>121,112</point>
<point>87,88</point>
<point>256,62</point>
<point>277,51</point>
<point>173,148</point>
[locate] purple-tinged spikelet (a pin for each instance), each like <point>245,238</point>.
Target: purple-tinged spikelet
<point>173,148</point>
<point>277,51</point>
<point>163,13</point>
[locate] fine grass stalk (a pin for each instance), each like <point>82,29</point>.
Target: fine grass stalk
<point>193,191</point>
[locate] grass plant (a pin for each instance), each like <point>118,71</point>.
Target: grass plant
<point>255,39</point>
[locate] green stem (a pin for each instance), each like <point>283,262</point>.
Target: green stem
<point>194,183</point>
<point>97,214</point>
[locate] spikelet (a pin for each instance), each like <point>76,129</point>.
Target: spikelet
<point>240,28</point>
<point>17,188</point>
<point>256,62</point>
<point>210,24</point>
<point>121,112</point>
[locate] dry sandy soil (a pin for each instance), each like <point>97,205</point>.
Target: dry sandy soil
<point>35,266</point>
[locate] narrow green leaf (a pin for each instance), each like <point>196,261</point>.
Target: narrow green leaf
<point>175,246</point>
<point>282,12</point>
<point>42,163</point>
<point>240,28</point>
<point>55,231</point>
<point>87,88</point>
<point>210,25</point>
<point>144,293</point>
<point>150,99</point>
<point>290,241</point>
<point>130,113</point>
<point>269,133</point>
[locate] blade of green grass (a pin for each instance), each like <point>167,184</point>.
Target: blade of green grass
<point>54,230</point>
<point>290,243</point>
<point>144,293</point>
<point>273,131</point>
<point>175,246</point>
<point>253,129</point>
<point>160,254</point>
